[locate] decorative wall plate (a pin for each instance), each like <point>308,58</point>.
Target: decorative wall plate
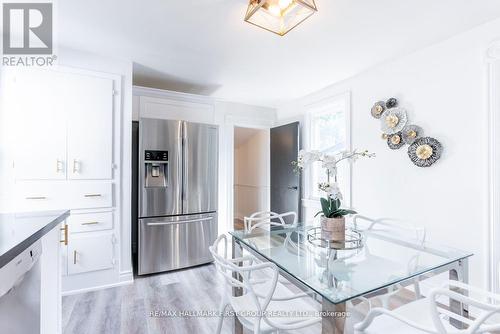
<point>395,141</point>
<point>425,151</point>
<point>391,103</point>
<point>378,109</point>
<point>411,133</point>
<point>393,120</point>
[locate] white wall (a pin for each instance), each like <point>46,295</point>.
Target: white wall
<point>443,88</point>
<point>252,174</point>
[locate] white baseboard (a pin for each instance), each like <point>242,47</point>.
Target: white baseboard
<point>127,277</point>
<point>97,288</point>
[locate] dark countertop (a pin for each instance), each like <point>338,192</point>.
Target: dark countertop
<point>20,230</point>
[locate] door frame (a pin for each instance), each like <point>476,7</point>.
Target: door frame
<point>230,122</point>
<point>492,232</point>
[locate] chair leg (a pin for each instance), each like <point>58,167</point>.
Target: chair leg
<point>385,301</point>
<point>416,285</point>
<point>256,327</point>
<point>222,308</point>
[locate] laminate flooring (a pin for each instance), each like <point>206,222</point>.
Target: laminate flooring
<point>127,309</point>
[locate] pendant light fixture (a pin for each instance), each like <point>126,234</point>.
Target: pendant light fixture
<point>279,16</point>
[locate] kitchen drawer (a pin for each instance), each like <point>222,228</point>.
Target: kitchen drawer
<point>87,195</point>
<point>42,195</point>
<point>93,221</point>
<point>90,252</point>
<point>39,196</point>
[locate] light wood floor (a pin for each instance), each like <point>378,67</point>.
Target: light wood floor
<point>126,309</point>
<point>238,224</point>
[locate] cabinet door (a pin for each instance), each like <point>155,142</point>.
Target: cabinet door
<point>89,252</point>
<point>89,102</point>
<point>38,125</point>
<point>50,298</point>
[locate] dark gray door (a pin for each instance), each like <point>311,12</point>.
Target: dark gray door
<point>285,184</point>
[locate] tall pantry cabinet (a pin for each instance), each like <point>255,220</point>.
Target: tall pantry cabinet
<point>66,132</point>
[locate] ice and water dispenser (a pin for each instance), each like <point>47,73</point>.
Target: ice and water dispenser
<point>156,168</point>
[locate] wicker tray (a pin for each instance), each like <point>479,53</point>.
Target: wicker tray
<point>353,240</point>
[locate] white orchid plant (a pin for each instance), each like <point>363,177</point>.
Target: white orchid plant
<point>330,204</point>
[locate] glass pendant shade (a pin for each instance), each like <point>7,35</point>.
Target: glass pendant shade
<point>279,16</point>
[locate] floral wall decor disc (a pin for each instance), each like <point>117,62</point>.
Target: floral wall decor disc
<point>393,120</point>
<point>425,151</point>
<point>377,109</point>
<point>391,103</point>
<point>395,141</point>
<point>411,133</point>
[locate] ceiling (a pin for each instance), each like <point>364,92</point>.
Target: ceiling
<point>204,47</point>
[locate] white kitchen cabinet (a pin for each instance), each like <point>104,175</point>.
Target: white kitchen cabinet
<point>65,126</point>
<point>90,252</point>
<point>50,279</point>
<point>62,125</point>
<point>89,101</point>
<point>39,125</point>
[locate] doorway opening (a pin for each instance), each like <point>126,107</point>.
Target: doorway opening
<point>251,173</point>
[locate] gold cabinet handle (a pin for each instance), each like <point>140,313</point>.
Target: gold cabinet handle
<point>92,195</point>
<point>90,223</point>
<point>76,166</point>
<point>59,166</point>
<point>65,229</point>
<point>36,197</point>
<point>74,257</point>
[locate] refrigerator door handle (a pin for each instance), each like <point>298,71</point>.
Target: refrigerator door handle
<point>185,163</point>
<point>180,166</point>
<point>180,221</point>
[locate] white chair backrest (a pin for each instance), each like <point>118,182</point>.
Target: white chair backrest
<point>231,268</point>
<point>391,227</point>
<point>269,218</point>
<point>486,311</point>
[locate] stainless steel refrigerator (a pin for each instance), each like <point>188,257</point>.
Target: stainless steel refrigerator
<point>177,194</point>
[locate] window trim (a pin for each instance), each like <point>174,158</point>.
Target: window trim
<point>314,108</point>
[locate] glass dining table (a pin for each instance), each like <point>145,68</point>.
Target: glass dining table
<point>339,273</point>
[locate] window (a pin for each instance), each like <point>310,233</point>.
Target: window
<point>328,133</point>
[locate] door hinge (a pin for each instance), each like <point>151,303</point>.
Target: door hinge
<point>116,92</point>
<point>113,262</point>
<point>113,239</point>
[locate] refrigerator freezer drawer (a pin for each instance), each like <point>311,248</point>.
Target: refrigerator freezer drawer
<point>168,243</point>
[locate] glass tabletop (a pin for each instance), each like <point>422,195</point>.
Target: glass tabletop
<point>340,275</point>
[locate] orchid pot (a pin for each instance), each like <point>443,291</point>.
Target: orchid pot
<point>333,228</point>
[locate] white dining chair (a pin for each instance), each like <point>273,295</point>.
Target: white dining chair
<point>426,316</point>
<point>394,228</point>
<point>268,218</point>
<point>265,306</point>
<point>390,226</point>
